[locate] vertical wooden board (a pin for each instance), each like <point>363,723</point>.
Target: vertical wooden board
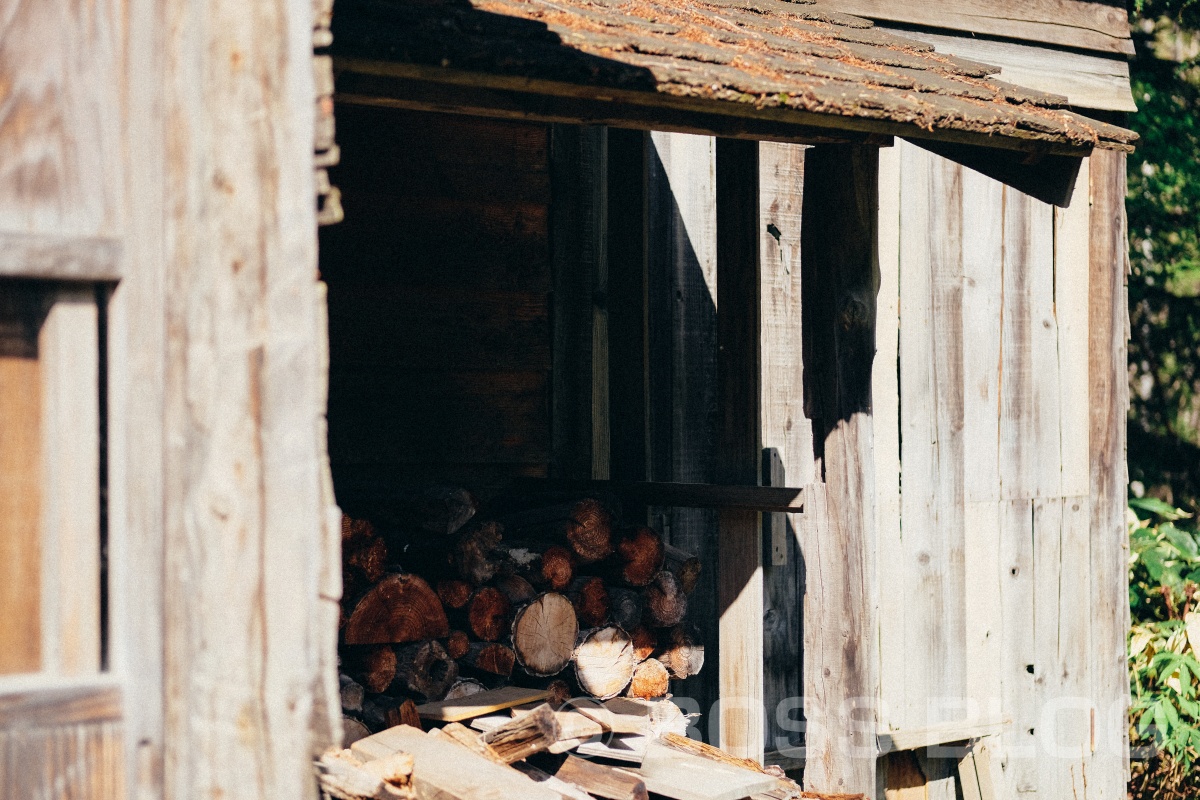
<point>885,404</point>
<point>60,145</point>
<point>1108,402</point>
<point>1047,678</point>
<point>1071,283</point>
<point>983,608</point>
<point>21,443</point>
<point>1018,655</point>
<point>931,384</point>
<point>841,282</point>
<point>739,561</point>
<point>242,490</point>
<point>70,353</point>
<point>786,432</point>
<point>940,774</point>
<point>1047,452</point>
<point>76,761</point>
<point>682,192</point>
<point>983,269</point>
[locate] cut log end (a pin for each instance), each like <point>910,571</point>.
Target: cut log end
<point>365,558</point>
<point>465,687</point>
<point>590,598</point>
<point>650,680</point>
<point>473,553</point>
<point>425,669</point>
<point>399,609</point>
<point>682,653</point>
<point>516,589</point>
<point>604,662</point>
<point>558,693</point>
<point>457,644</point>
<point>488,614</point>
<point>544,633</point>
<point>642,552</point>
<point>383,711</point>
<point>493,659</point>
<point>525,735</point>
<point>645,642</point>
<point>590,531</point>
<point>454,593</point>
<point>666,604</point>
<point>684,566</point>
<point>625,607</point>
<point>558,567</point>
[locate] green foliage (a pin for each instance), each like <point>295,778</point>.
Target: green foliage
<point>1164,642</point>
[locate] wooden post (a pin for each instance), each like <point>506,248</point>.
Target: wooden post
<point>740,591</point>
<point>841,278</point>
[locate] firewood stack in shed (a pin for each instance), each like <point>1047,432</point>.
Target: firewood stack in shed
<point>441,602</point>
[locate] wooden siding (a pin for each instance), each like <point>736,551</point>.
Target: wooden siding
<point>440,313</point>
<point>81,761</point>
<point>991,575</point>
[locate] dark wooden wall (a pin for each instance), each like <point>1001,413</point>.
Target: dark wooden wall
<point>439,303</point>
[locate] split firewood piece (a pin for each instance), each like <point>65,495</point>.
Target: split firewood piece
<point>590,530</point>
<point>374,666</point>
<point>352,694</point>
<point>642,551</point>
<point>383,711</point>
<point>625,607</point>
<point>550,565</point>
<point>568,791</point>
<point>477,705</point>
<point>489,657</point>
<point>474,553</point>
<point>544,633</point>
<point>454,593</point>
<point>457,644</point>
<point>525,735</point>
<point>395,770</point>
<point>682,776</point>
<point>342,779</point>
<point>461,734</point>
<point>399,609</point>
<point>666,604</point>
<point>516,589</point>
<point>488,614</point>
<point>463,687</point>
<point>697,748</point>
<point>650,680</point>
<point>425,669</point>
<point>684,566</point>
<point>602,781</point>
<point>604,662</point>
<point>590,598</point>
<point>353,730</point>
<point>682,654</point>
<point>645,642</point>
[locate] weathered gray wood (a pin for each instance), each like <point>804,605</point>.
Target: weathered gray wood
<point>1071,283</point>
<point>1087,81</point>
<point>1108,607</point>
<point>786,435</point>
<point>739,560</point>
<point>78,761</point>
<point>682,776</point>
<point>243,511</point>
<point>1021,696</point>
<point>841,278</point>
<point>1086,25</point>
<point>46,702</point>
<point>942,733</point>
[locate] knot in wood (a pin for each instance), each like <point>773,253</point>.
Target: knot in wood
<point>854,314</point>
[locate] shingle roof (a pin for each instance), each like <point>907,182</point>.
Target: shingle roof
<point>781,55</point>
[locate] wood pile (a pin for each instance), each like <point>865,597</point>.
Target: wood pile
<point>442,602</point>
<point>514,744</point>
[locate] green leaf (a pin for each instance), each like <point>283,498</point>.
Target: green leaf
<point>1156,506</point>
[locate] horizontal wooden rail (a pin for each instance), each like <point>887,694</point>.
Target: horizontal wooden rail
<point>41,702</point>
<point>779,499</point>
<point>944,733</point>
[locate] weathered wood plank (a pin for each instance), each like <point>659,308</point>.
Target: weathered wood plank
<point>841,278</point>
<point>76,761</point>
<point>885,406</point>
<point>983,613</point>
<point>52,257</point>
<point>1108,394</point>
<point>1071,283</point>
<point>739,375</point>
<point>942,733</point>
<point>49,702</point>
<point>1087,25</point>
<point>682,245</point>
<point>1018,648</point>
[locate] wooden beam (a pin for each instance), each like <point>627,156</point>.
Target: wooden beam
<point>739,561</point>
<point>779,499</point>
<point>47,702</point>
<point>60,258</point>
<point>932,735</point>
<point>840,272</point>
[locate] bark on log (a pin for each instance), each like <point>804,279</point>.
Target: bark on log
<point>590,598</point>
<point>682,653</point>
<point>373,666</point>
<point>488,614</point>
<point>353,730</point>
<point>604,662</point>
<point>384,711</point>
<point>454,593</point>
<point>645,642</point>
<point>590,531</point>
<point>352,694</point>
<point>525,735</point>
<point>642,552</point>
<point>474,553</point>
<point>516,589</point>
<point>650,680</point>
<point>457,644</point>
<point>666,604</point>
<point>544,633</point>
<point>464,687</point>
<point>683,566</point>
<point>490,658</point>
<point>425,669</point>
<point>399,609</point>
<point>625,607</point>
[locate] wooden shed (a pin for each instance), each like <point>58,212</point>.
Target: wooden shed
<point>834,294</point>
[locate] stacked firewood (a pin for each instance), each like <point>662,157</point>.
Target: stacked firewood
<point>441,603</point>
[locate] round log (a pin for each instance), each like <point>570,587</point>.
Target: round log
<point>366,557</point>
<point>625,607</point>
<point>516,589</point>
<point>352,694</point>
<point>464,687</point>
<point>650,680</point>
<point>354,529</point>
<point>645,642</point>
<point>353,730</point>
<point>642,551</point>
<point>488,614</point>
<point>490,658</point>
<point>590,598</point>
<point>559,693</point>
<point>666,604</point>
<point>590,531</point>
<point>454,593</point>
<point>373,666</point>
<point>604,662</point>
<point>543,634</point>
<point>457,644</point>
<point>682,653</point>
<point>383,711</point>
<point>684,566</point>
<point>473,553</point>
<point>425,669</point>
<point>397,610</point>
